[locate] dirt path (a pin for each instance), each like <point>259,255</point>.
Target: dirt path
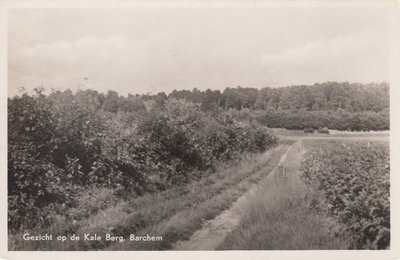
<point>214,231</point>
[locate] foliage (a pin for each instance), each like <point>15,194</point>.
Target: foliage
<point>340,106</point>
<point>309,130</point>
<point>354,180</point>
<point>323,130</point>
<point>328,96</point>
<point>339,120</point>
<point>63,145</point>
<point>174,214</point>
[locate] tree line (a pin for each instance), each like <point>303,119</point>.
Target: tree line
<point>340,106</point>
<point>328,96</point>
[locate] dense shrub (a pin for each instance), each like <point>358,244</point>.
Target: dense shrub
<point>63,146</point>
<point>309,130</point>
<point>323,130</point>
<point>354,182</point>
<point>338,120</point>
<point>179,134</point>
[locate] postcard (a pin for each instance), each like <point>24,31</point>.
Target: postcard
<point>244,129</point>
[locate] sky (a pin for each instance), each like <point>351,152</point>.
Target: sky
<point>150,50</point>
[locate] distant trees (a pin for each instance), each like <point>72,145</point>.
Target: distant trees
<point>341,106</point>
<point>328,96</point>
<point>339,120</point>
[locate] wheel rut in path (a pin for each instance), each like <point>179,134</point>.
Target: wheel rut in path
<point>214,231</point>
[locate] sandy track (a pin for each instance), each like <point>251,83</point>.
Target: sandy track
<point>214,231</point>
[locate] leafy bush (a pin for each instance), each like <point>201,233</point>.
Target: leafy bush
<point>354,181</point>
<point>63,146</point>
<point>323,130</point>
<point>309,130</point>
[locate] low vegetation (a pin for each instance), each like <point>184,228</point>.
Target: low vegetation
<point>175,214</point>
<point>353,180</point>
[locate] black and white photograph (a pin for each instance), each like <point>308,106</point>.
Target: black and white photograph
<point>199,127</point>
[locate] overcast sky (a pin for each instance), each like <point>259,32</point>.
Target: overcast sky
<point>152,50</point>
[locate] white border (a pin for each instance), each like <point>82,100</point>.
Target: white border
<point>393,253</point>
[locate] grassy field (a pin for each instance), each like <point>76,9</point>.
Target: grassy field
<point>174,214</point>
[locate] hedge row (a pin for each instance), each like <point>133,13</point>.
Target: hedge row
<point>63,144</point>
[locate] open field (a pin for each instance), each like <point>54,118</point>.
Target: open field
<point>333,134</point>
